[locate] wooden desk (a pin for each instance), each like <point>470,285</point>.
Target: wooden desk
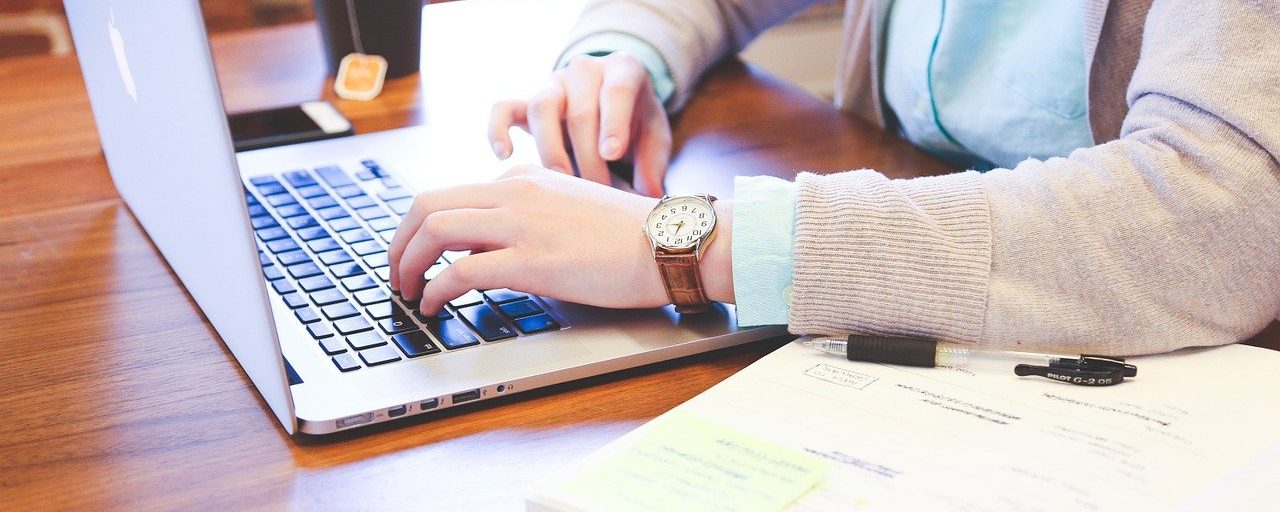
<point>116,393</point>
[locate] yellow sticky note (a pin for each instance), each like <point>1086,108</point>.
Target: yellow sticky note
<point>686,463</point>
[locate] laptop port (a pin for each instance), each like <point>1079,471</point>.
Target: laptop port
<point>466,396</point>
<point>351,421</point>
<point>429,404</point>
<point>396,412</point>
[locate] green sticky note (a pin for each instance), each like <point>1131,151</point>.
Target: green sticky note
<point>689,463</point>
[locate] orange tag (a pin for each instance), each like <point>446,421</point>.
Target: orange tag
<point>360,77</point>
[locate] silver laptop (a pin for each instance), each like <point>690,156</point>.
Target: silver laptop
<point>284,248</point>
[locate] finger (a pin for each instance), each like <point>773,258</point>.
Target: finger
<point>623,81</point>
<point>483,271</point>
<point>544,116</point>
<point>504,115</point>
<point>653,151</point>
<point>448,230</point>
<point>582,121</point>
<point>478,195</point>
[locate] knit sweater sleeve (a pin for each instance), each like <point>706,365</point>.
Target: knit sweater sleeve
<point>1164,238</point>
<point>691,35</point>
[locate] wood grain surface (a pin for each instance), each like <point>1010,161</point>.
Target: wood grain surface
<point>117,394</point>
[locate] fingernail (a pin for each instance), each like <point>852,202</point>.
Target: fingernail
<point>611,147</point>
<point>501,150</point>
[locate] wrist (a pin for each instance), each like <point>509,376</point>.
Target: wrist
<point>716,265</point>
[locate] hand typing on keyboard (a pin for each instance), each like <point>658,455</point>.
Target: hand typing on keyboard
<point>546,233</point>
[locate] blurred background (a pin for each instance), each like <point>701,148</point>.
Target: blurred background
<point>38,27</point>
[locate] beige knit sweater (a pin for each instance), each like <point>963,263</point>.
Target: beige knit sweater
<point>1165,235</point>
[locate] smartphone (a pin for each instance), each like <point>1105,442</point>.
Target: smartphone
<point>313,120</point>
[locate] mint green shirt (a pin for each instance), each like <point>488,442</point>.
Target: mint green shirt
<point>980,83</point>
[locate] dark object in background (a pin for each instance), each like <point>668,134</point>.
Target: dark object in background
<point>314,120</point>
<point>390,28</point>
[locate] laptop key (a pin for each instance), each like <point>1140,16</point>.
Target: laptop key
<point>348,191</point>
<point>368,297</point>
<point>299,178</point>
<point>502,295</point>
<point>312,233</point>
<point>444,314</point>
<point>335,257</point>
<point>263,258</point>
<point>332,346</point>
<point>352,325</point>
<point>400,206</point>
<point>272,273</point>
<point>415,344</point>
<point>360,201</point>
<point>339,311</point>
<point>304,270</point>
<point>355,236</point>
<point>376,260</point>
<point>334,176</point>
<point>302,221</point>
<point>346,363</point>
<point>393,194</point>
<point>343,224</point>
<point>317,283</point>
<point>366,175</point>
<point>319,330</point>
<point>487,323</point>
<point>435,270</point>
<point>357,283</point>
<point>347,269</point>
<point>282,287</point>
<point>383,224</point>
<point>291,210</point>
<point>371,212</point>
<point>322,202</point>
<point>323,245</point>
<point>280,199</point>
<point>384,309</point>
<point>520,309</point>
<point>282,245</point>
<point>467,299</point>
<point>366,247</point>
<point>274,187</point>
<point>306,315</point>
<point>397,324</point>
<point>367,339</point>
<point>386,236</point>
<point>327,297</point>
<point>257,210</point>
<point>379,355</point>
<point>262,180</point>
<point>263,222</point>
<point>384,273</point>
<point>452,334</point>
<point>272,234</point>
<point>311,191</point>
<point>536,323</point>
<point>332,212</point>
<point>294,300</point>
<point>293,258</point>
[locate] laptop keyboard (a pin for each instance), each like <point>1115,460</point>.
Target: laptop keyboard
<point>322,241</point>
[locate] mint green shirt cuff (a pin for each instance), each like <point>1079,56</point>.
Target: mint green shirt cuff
<point>604,43</point>
<point>764,226</point>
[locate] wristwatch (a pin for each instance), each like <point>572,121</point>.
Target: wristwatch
<point>680,228</point>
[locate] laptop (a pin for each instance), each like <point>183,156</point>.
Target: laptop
<point>284,248</point>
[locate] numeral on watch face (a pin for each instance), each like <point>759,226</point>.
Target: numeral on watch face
<point>681,222</point>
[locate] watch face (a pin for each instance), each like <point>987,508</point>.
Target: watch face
<point>680,222</point>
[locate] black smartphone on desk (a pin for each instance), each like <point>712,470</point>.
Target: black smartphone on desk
<point>313,120</point>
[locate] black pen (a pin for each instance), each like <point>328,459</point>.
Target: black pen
<point>1082,370</point>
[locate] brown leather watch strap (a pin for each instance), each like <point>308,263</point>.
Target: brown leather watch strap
<point>683,280</point>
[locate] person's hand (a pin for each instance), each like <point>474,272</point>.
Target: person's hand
<point>542,232</point>
<point>607,108</point>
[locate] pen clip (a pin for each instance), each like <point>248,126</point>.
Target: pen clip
<point>1087,370</point>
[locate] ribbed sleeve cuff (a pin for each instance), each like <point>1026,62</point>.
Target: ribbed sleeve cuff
<point>880,256</point>
<point>680,50</point>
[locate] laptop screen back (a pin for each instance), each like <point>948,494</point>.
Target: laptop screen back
<point>163,130</point>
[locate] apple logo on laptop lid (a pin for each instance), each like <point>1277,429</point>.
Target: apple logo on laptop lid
<point>122,62</point>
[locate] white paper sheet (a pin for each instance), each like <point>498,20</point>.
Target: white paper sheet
<point>906,438</point>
